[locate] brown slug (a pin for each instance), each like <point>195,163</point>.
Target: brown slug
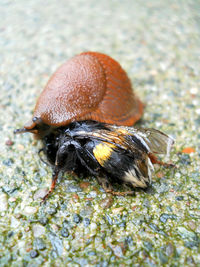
<point>90,86</point>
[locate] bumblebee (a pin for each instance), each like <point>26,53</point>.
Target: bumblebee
<point>111,153</point>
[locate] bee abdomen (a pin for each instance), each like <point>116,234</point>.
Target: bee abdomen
<point>139,175</point>
<point>128,167</point>
<point>136,179</point>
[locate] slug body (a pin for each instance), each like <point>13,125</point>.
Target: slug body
<point>90,86</point>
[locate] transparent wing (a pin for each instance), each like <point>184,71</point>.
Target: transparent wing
<point>155,141</point>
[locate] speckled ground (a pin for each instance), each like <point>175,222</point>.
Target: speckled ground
<point>157,42</point>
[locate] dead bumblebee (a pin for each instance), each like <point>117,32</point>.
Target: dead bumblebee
<point>111,153</point>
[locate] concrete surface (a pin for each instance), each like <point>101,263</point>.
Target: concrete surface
<point>157,42</point>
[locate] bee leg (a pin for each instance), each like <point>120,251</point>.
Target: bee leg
<point>53,184</point>
<point>154,160</point>
<point>109,189</point>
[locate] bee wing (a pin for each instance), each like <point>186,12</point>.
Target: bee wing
<point>106,135</point>
<point>157,141</point>
<point>153,140</point>
<point>129,138</point>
